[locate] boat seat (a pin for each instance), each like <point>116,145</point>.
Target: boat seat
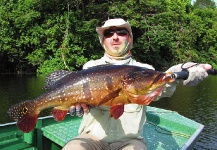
<point>62,132</point>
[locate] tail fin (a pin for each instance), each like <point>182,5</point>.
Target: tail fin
<point>25,114</point>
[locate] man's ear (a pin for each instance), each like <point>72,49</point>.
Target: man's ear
<point>130,40</point>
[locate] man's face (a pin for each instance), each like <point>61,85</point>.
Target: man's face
<point>115,40</point>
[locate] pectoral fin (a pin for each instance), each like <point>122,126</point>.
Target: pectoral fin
<point>117,110</point>
<point>147,99</point>
<point>59,114</point>
<point>109,97</point>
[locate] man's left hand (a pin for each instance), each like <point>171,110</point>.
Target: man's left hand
<point>197,72</point>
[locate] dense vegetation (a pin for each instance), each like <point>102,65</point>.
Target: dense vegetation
<point>42,36</point>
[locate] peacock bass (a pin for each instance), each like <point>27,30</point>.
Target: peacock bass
<point>108,85</point>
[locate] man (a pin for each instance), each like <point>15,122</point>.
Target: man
<point>99,131</point>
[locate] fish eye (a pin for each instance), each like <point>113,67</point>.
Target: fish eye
<point>173,76</point>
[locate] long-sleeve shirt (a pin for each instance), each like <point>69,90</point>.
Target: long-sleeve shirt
<point>98,121</point>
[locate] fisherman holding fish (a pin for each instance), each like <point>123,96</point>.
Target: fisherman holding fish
<point>100,131</point>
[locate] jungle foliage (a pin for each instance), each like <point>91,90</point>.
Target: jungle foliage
<point>43,36</point>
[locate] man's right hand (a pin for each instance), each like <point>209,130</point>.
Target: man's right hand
<point>79,110</point>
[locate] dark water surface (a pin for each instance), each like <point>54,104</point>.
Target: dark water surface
<point>198,103</point>
<point>17,88</point>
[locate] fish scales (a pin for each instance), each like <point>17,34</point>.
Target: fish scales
<point>108,85</point>
<point>87,86</point>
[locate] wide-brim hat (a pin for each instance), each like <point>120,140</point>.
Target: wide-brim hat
<point>118,22</point>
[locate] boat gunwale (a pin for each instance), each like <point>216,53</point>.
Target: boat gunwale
<point>193,138</point>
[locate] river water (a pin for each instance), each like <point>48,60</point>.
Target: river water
<point>198,103</point>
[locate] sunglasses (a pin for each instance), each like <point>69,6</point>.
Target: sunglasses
<point>120,32</point>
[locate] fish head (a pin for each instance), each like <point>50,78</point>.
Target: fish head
<point>145,81</point>
<point>161,78</point>
<point>25,115</point>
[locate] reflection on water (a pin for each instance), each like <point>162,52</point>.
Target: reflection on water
<point>198,103</point>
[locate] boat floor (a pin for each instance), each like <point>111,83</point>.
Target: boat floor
<point>163,130</point>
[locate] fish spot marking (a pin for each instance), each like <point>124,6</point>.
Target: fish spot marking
<point>25,110</point>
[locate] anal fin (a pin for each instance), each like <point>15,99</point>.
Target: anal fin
<point>59,114</point>
<point>117,110</point>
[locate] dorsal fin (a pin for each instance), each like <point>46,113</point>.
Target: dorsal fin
<point>54,77</point>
